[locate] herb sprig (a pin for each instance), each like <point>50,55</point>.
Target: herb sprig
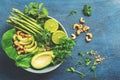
<point>72,12</point>
<point>87,10</point>
<point>73,70</point>
<point>63,49</point>
<point>36,11</point>
<point>89,60</point>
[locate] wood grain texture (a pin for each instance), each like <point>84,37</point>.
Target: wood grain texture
<point>104,24</point>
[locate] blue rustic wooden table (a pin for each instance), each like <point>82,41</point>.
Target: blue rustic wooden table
<point>104,24</point>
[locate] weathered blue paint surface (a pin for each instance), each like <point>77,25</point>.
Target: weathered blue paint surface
<point>104,24</point>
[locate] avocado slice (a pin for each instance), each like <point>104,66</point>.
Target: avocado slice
<point>32,48</point>
<point>25,39</point>
<point>24,43</point>
<point>22,39</point>
<point>30,45</point>
<point>36,50</point>
<point>42,60</point>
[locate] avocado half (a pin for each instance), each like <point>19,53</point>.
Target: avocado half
<point>42,60</point>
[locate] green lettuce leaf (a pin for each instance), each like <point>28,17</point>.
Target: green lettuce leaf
<point>7,44</point>
<point>24,63</point>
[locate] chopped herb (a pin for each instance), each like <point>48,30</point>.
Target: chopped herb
<point>87,10</point>
<point>72,12</point>
<point>63,49</point>
<point>81,54</point>
<point>93,68</point>
<point>87,61</point>
<point>36,11</point>
<point>95,62</point>
<point>92,51</point>
<point>80,62</point>
<point>73,70</point>
<point>87,53</point>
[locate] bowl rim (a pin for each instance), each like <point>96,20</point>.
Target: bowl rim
<point>49,68</point>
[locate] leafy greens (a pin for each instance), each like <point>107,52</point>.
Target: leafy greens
<point>63,49</point>
<point>31,21</point>
<point>7,45</point>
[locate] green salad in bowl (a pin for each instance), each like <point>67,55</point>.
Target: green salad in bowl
<point>36,42</point>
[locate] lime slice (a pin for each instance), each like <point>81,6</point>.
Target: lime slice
<point>51,25</point>
<point>57,35</point>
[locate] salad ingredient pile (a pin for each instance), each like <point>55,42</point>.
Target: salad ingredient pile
<point>36,40</point>
<point>24,23</point>
<point>24,43</point>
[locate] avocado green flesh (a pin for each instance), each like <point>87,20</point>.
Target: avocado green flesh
<point>24,39</point>
<point>32,48</point>
<point>24,43</point>
<point>42,60</point>
<point>36,50</point>
<point>30,45</point>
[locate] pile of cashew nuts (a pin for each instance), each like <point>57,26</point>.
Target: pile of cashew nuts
<point>20,48</point>
<point>80,29</point>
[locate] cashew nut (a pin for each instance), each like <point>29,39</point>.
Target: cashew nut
<point>16,44</point>
<point>21,51</point>
<point>14,37</point>
<point>19,47</point>
<point>86,28</point>
<point>73,36</point>
<point>89,35</point>
<point>22,34</point>
<point>79,31</point>
<point>18,32</point>
<point>78,26</point>
<point>88,39</point>
<point>27,35</point>
<point>48,48</point>
<point>82,21</point>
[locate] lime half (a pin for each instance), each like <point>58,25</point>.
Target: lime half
<point>51,25</point>
<point>56,36</point>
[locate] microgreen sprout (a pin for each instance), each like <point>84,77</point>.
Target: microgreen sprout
<point>81,54</point>
<point>89,59</point>
<point>73,70</point>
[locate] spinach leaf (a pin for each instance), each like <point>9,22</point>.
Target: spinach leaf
<point>24,63</point>
<point>7,44</point>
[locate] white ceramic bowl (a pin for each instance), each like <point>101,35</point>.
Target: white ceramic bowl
<point>49,68</point>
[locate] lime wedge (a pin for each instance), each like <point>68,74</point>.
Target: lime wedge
<point>51,25</point>
<point>56,36</point>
